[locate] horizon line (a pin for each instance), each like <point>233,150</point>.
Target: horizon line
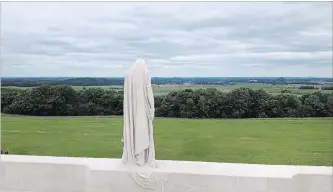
<point>167,77</point>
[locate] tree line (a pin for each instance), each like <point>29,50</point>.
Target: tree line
<point>63,100</point>
<point>314,87</point>
<point>77,81</point>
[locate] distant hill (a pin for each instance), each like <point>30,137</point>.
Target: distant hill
<point>281,79</point>
<point>103,81</point>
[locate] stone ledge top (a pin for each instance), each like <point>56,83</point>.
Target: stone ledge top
<point>184,167</point>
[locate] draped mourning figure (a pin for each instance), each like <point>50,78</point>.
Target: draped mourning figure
<point>138,137</point>
<point>138,140</point>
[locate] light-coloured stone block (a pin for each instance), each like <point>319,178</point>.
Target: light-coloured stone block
<point>186,182</point>
<point>109,180</point>
<point>68,174</point>
<point>313,183</point>
<point>9,180</point>
<point>280,185</point>
<point>251,184</point>
<point>44,177</point>
<point>221,183</point>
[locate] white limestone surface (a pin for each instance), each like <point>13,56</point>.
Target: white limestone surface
<point>69,174</point>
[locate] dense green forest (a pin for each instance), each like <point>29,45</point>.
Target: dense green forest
<point>63,100</point>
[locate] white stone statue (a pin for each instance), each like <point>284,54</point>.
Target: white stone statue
<point>138,137</point>
<point>139,112</point>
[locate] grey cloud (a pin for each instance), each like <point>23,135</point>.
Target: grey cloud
<point>93,37</point>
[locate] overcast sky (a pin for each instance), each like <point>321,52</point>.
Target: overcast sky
<point>221,39</point>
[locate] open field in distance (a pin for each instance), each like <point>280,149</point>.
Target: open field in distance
<point>305,141</point>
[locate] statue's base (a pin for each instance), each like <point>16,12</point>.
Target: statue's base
<point>68,174</point>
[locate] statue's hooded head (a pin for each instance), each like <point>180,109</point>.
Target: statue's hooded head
<point>140,66</point>
<point>140,61</point>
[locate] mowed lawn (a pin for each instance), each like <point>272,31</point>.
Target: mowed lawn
<point>262,141</point>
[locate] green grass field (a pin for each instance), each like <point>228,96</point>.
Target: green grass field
<point>273,89</point>
<point>263,141</point>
